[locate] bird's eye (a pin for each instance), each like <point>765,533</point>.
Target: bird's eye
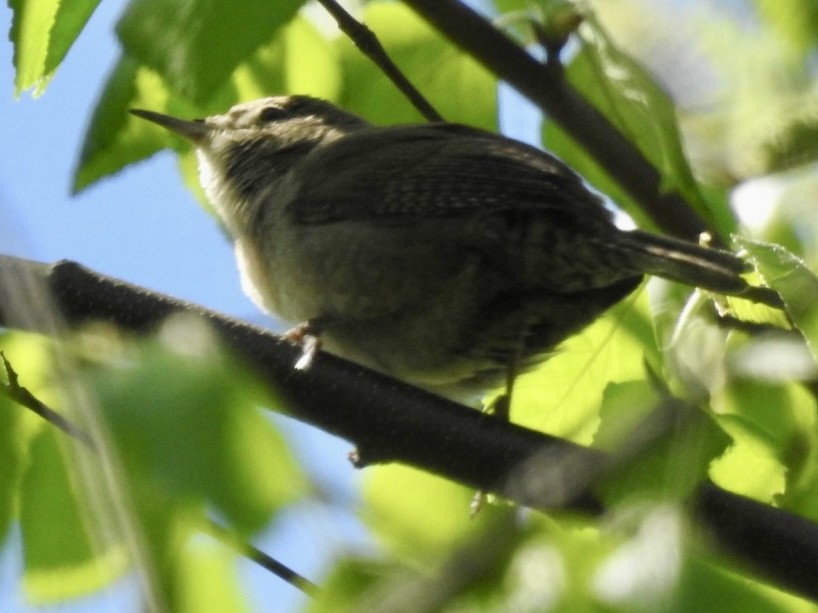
<point>272,113</point>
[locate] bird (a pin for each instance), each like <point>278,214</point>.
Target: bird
<point>443,255</point>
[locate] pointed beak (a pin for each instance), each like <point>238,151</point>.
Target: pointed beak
<point>191,130</point>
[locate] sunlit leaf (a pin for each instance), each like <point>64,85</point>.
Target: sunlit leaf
<point>563,395</point>
<point>115,139</point>
<point>207,580</point>
<point>415,515</point>
<point>455,84</point>
<point>795,23</point>
<point>796,284</point>
<point>186,425</point>
<point>632,100</point>
<point>43,32</point>
<point>61,557</point>
<point>195,46</point>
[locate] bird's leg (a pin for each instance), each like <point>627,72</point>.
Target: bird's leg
<point>307,334</point>
<point>500,407</point>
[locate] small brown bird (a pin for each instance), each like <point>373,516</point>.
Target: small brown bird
<point>446,256</point>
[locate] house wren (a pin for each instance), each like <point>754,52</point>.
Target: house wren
<point>443,255</point>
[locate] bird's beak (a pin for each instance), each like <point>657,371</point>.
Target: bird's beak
<point>191,130</point>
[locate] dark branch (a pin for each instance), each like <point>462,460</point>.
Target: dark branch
<point>553,94</point>
<point>390,421</point>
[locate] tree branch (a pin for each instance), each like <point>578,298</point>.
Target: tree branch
<point>391,421</point>
<point>547,88</point>
<point>371,47</point>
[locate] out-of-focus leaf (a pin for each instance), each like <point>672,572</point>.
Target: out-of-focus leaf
<point>11,459</point>
<point>795,23</point>
<point>459,88</point>
<point>563,395</point>
<point>750,466</point>
<point>207,580</point>
<point>415,515</point>
<point>629,97</point>
<point>196,45</point>
<point>797,142</point>
<point>187,427</point>
<point>659,448</point>
<point>42,32</point>
<point>61,558</point>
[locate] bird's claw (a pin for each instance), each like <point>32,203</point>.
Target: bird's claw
<point>306,336</point>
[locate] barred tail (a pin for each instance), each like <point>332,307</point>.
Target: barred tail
<point>685,262</point>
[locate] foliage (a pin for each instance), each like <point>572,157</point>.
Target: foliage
<point>182,437</point>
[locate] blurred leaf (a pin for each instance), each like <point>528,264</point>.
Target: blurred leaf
<point>195,45</point>
<point>750,466</point>
<point>12,453</point>
<point>207,579</point>
<point>42,32</point>
<point>659,448</point>
<point>61,559</point>
<point>464,578</point>
<point>796,143</point>
<point>28,356</point>
<point>456,85</point>
<point>630,98</point>
<point>563,395</point>
<point>794,21</point>
<point>415,515</point>
<point>187,427</point>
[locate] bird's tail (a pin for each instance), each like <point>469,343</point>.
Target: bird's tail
<point>688,263</point>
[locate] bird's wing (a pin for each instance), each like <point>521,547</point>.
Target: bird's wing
<point>437,170</point>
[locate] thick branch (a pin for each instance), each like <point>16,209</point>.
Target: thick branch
<point>390,421</point>
<point>553,94</point>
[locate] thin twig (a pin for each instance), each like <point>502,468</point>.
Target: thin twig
<point>25,398</point>
<point>262,559</point>
<point>370,46</point>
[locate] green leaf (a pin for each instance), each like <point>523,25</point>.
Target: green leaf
<point>42,32</point>
<point>563,395</point>
<point>459,88</point>
<point>189,432</point>
<point>796,284</point>
<point>196,45</point>
<point>207,580</point>
<point>61,558</point>
<point>115,139</point>
<point>630,98</point>
<point>795,23</point>
<point>659,448</point>
<point>415,515</point>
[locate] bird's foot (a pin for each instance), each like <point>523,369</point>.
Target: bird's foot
<point>306,335</point>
